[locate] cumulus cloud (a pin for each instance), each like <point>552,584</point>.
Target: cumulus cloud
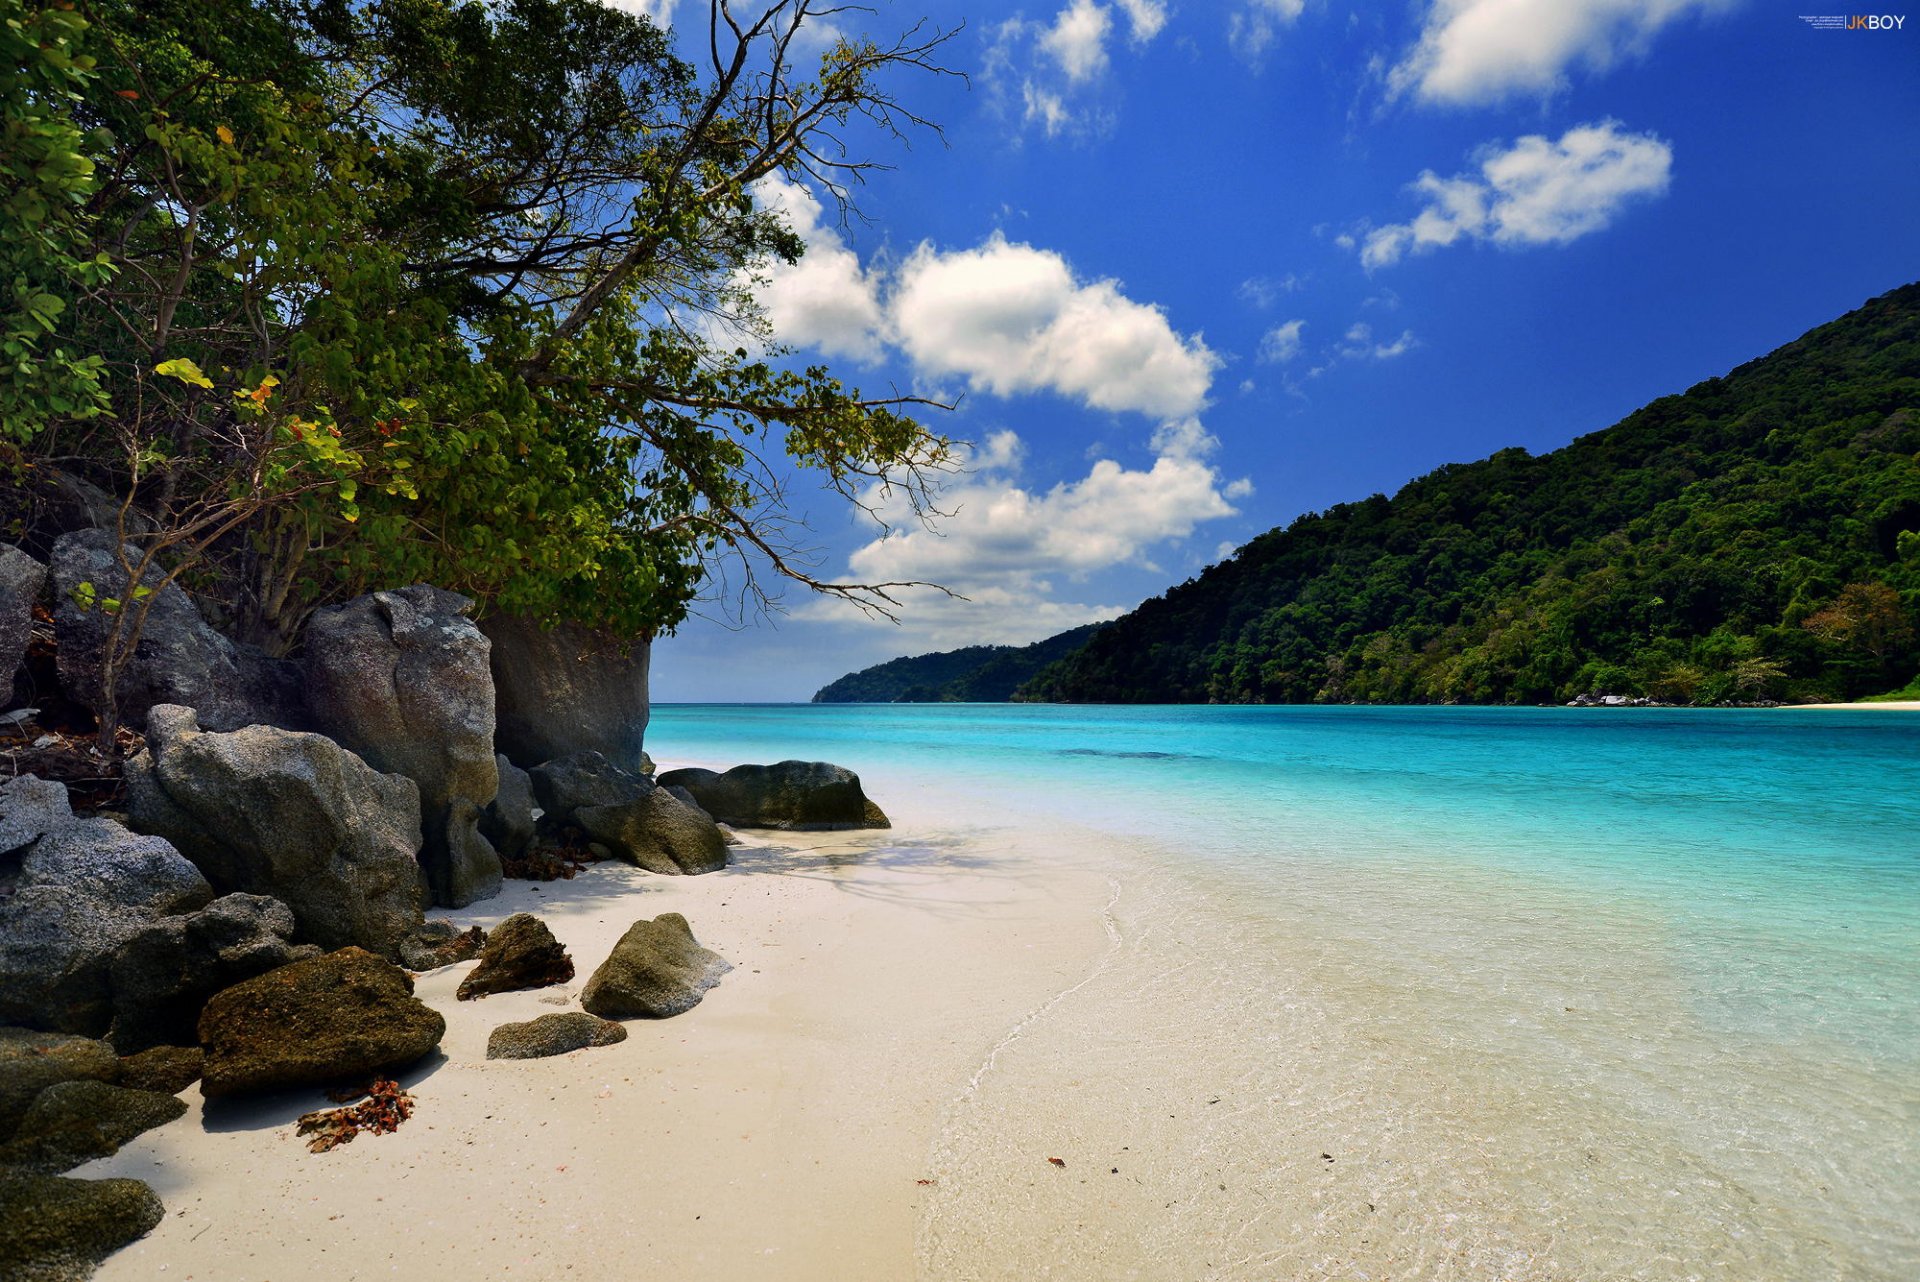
<point>1145,19</point>
<point>1058,71</point>
<point>1077,40</point>
<point>1252,27</point>
<point>1011,318</point>
<point>826,301</point>
<point>1281,343</point>
<point>1016,550</point>
<point>661,11</point>
<point>1536,192</point>
<point>1475,51</point>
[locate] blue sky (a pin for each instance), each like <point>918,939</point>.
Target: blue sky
<point>1194,269</point>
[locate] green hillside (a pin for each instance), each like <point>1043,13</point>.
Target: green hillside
<point>975,674</point>
<point>1757,537</point>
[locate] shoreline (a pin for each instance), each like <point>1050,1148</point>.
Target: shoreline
<point>780,1128</point>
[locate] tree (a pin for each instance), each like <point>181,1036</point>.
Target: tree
<point>359,293</point>
<point>1865,618</point>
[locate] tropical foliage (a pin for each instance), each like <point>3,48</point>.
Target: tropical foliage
<point>1756,538</point>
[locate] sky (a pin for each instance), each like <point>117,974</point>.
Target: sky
<point>1192,269</point>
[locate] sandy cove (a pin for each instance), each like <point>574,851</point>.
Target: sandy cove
<point>779,1129</point>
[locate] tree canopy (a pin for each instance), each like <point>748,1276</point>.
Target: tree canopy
<point>338,294</point>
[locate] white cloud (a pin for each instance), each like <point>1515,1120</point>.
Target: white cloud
<point>1015,551</point>
<point>826,301</point>
<point>1536,192</point>
<point>1011,318</point>
<point>1281,343</point>
<point>1145,19</point>
<point>661,11</point>
<point>1475,51</point>
<point>1252,27</point>
<point>1077,40</point>
<point>1264,291</point>
<point>1360,344</point>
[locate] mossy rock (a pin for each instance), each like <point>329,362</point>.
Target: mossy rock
<point>656,970</point>
<point>553,1035</point>
<point>519,953</point>
<point>167,1069</point>
<point>31,1061</point>
<point>74,1122</point>
<point>54,1229</point>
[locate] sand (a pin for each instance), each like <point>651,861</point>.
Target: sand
<point>779,1129</point>
<point>1885,705</point>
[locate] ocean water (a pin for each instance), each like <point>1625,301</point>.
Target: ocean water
<point>1435,993</point>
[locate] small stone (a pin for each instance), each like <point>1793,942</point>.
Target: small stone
<point>553,1035</point>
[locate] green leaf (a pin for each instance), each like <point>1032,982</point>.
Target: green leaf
<point>184,370</point>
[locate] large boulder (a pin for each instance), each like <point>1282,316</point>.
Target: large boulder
<point>519,953</point>
<point>795,795</point>
<point>403,679</point>
<point>290,815</point>
<point>177,658</point>
<point>55,1229</point>
<point>553,1035</point>
<point>507,822</point>
<point>566,689</point>
<point>167,1069</point>
<point>328,1019</point>
<point>21,581</point>
<point>75,1122</point>
<point>82,888</point>
<point>163,975</point>
<point>632,816</point>
<point>31,1061</point>
<point>656,970</point>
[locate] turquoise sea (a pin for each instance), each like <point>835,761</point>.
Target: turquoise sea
<point>1575,993</point>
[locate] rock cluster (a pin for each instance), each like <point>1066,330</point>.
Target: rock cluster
<point>628,813</point>
<point>795,795</point>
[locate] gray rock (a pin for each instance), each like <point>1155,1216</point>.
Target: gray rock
<point>403,679</point>
<point>566,690</point>
<point>177,659</point>
<point>84,887</point>
<point>687,799</point>
<point>438,943</point>
<point>656,970</point>
<point>565,784</point>
<point>163,975</point>
<point>291,815</point>
<point>794,795</point>
<point>520,953</point>
<point>54,1229</point>
<point>167,1069</point>
<point>553,1035</point>
<point>659,832</point>
<point>75,1122</point>
<point>31,1061</point>
<point>507,822</point>
<point>21,581</point>
<point>328,1019</point>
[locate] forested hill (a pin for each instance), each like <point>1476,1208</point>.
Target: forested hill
<point>1753,538</point>
<point>975,674</point>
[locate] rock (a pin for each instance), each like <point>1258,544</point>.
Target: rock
<point>54,1229</point>
<point>21,581</point>
<point>687,799</point>
<point>566,690</point>
<point>167,1069</point>
<point>520,953</point>
<point>659,832</point>
<point>628,814</point>
<point>75,1122</point>
<point>507,822</point>
<point>31,1061</point>
<point>796,795</point>
<point>440,943</point>
<point>403,679</point>
<point>178,659</point>
<point>327,1019</point>
<point>286,814</point>
<point>83,888</point>
<point>656,970</point>
<point>163,975</point>
<point>553,1035</point>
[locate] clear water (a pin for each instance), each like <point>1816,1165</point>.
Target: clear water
<point>1476,992</point>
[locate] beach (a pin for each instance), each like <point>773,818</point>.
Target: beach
<point>779,1129</point>
<point>1182,993</point>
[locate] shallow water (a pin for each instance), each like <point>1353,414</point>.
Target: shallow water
<point>1437,993</point>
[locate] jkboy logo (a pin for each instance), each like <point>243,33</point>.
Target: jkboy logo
<point>1857,22</point>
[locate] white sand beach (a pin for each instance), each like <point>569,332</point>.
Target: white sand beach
<point>780,1129</point>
